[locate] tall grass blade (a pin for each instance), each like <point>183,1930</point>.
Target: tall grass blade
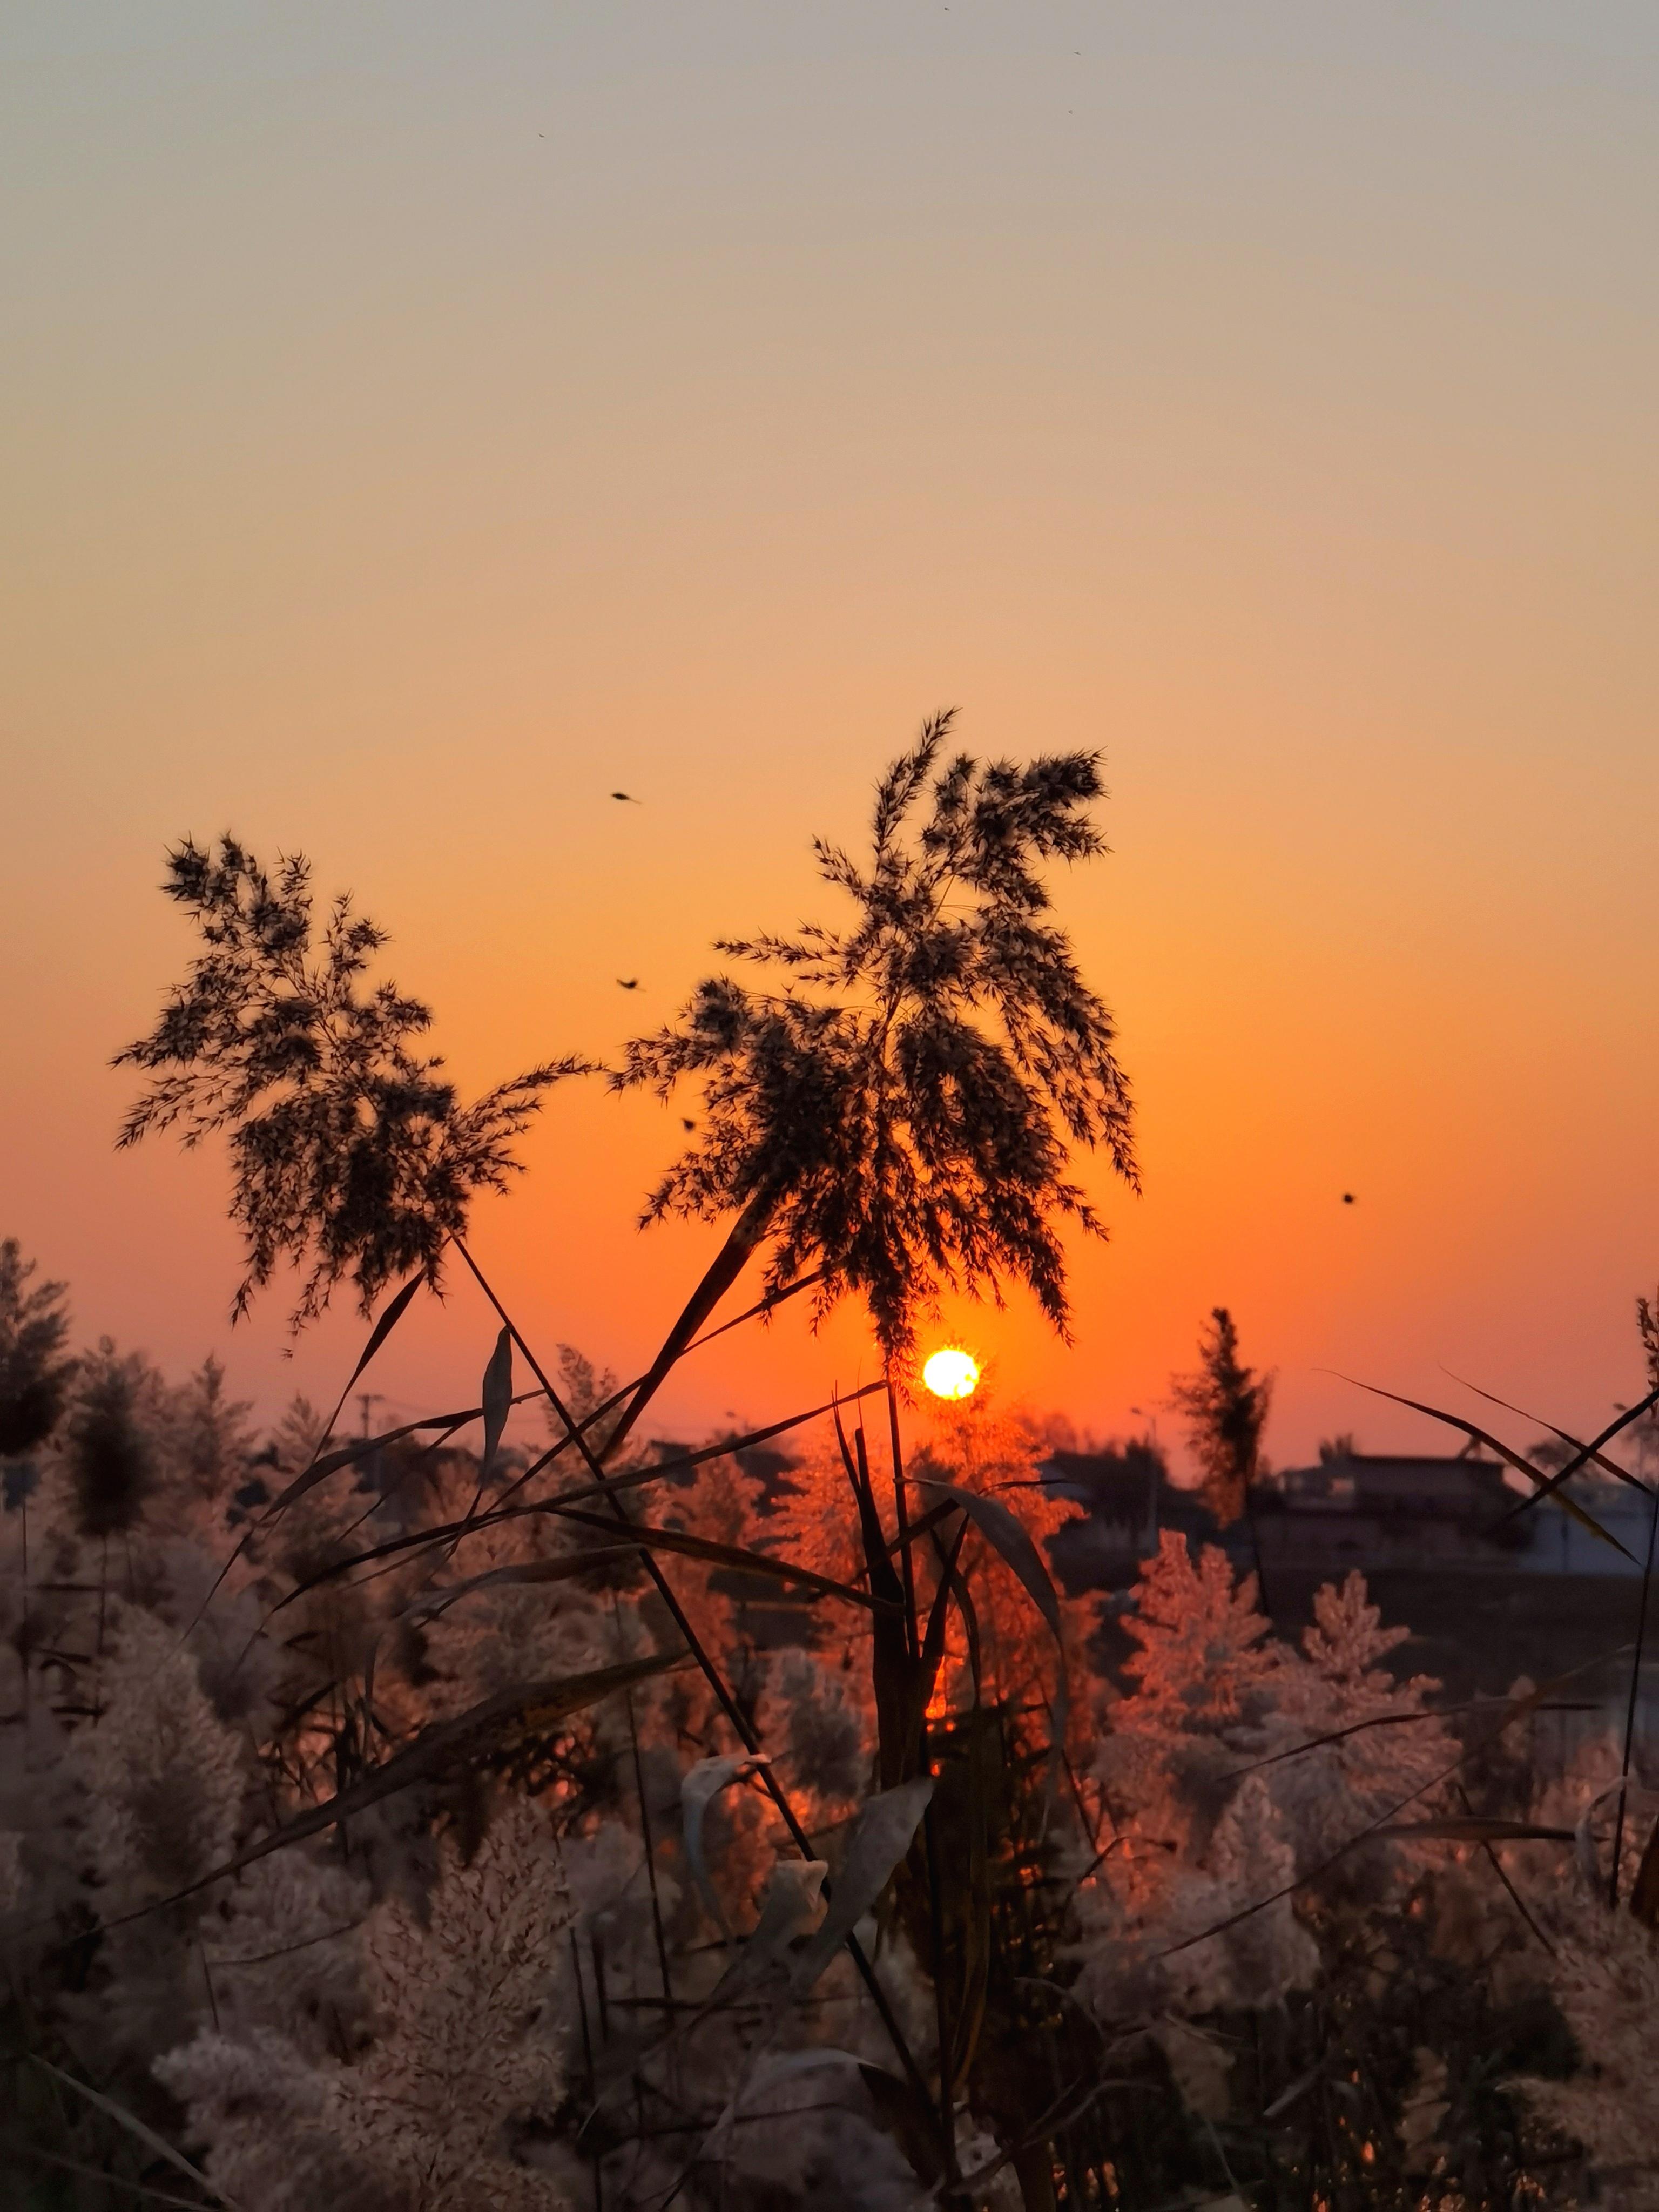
<point>1630,1703</point>
<point>1009,1538</point>
<point>892,1669</point>
<point>382,1329</point>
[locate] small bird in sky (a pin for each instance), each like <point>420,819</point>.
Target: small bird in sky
<point>1347,1198</point>
<point>684,1124</point>
<point>627,982</point>
<point>628,799</point>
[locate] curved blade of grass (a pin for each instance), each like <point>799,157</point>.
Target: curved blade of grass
<point>365,1447</point>
<point>1390,1720</point>
<point>1010,1539</point>
<point>1546,1487</point>
<point>135,2127</point>
<point>747,1232</point>
<point>580,1429</point>
<point>382,1329</point>
<point>766,1564</point>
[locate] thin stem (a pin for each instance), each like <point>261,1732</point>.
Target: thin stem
<point>947,2097</point>
<point>1629,1709</point>
<point>902,1513</point>
<point>23,1631</point>
<point>598,2155</point>
<point>645,1818</point>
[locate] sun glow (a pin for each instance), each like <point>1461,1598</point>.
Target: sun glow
<point>952,1373</point>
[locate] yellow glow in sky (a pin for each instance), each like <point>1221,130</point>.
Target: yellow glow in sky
<point>952,1373</point>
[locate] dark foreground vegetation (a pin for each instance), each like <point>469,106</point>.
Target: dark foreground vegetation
<point>421,1822</point>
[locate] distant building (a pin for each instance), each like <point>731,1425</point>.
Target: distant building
<point>1373,1510</point>
<point>1370,1511</point>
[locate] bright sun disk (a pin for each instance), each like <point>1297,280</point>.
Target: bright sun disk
<point>952,1373</point>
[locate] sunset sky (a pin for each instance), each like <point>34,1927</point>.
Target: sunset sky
<point>420,421</point>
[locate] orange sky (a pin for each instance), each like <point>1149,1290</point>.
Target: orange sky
<point>418,422</point>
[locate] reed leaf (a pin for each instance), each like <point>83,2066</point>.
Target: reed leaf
<point>496,1398</point>
<point>879,1841</point>
<point>701,1784</point>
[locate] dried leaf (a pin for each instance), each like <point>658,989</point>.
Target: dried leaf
<point>496,1398</point>
<point>789,1908</point>
<point>703,1783</point>
<point>879,1841</point>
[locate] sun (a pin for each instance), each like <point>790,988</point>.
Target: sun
<point>952,1373</point>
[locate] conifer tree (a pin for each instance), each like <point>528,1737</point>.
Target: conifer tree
<point>34,1373</point>
<point>1225,1404</point>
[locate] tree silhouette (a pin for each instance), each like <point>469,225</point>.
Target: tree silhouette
<point>34,1374</point>
<point>111,1458</point>
<point>900,1115</point>
<point>350,1154</point>
<point>1225,1404</point>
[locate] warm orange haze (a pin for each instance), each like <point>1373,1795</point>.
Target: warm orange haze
<point>419,429</point>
